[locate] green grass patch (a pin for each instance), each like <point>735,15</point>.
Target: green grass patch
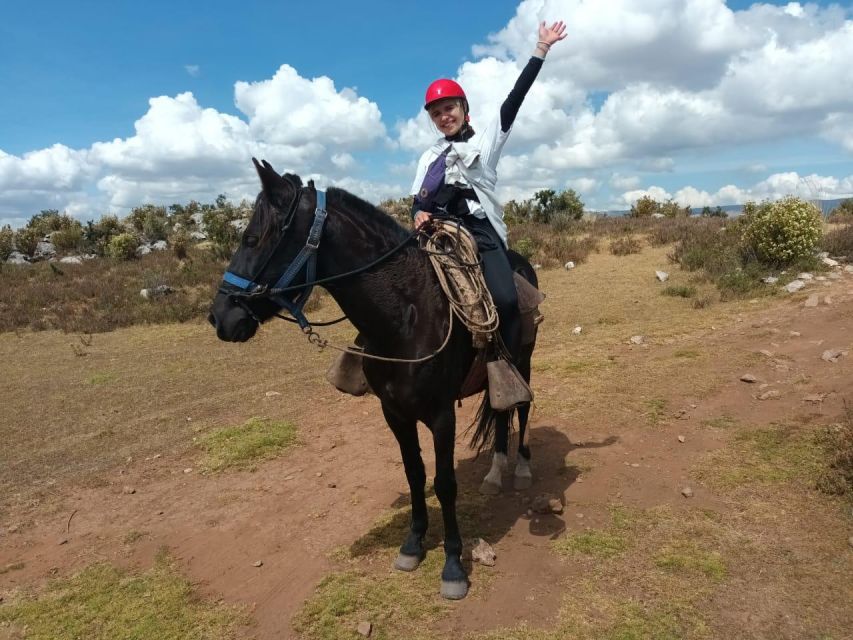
<point>777,454</point>
<point>244,446</point>
<point>679,291</point>
<point>398,604</point>
<point>690,558</point>
<point>655,409</point>
<point>101,378</point>
<point>15,566</point>
<point>103,602</point>
<point>720,422</point>
<point>689,354</point>
<point>600,544</point>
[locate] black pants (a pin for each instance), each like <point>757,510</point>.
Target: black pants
<point>498,275</point>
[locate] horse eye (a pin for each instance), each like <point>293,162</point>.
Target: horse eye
<point>250,241</point>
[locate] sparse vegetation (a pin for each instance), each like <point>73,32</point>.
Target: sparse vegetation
<point>245,446</point>
<point>679,291</point>
<point>104,603</point>
<point>625,246</point>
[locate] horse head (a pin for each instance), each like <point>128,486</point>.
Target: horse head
<point>278,225</point>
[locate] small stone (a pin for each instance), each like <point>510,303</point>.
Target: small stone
<point>848,268</point>
<point>829,262</point>
<point>258,563</point>
<point>687,492</point>
<point>748,377</point>
<point>547,503</point>
<point>637,339</point>
<point>331,485</point>
<point>577,331</point>
<point>770,280</point>
<point>569,265</point>
<point>814,397</point>
<point>271,394</point>
<point>635,465</point>
<point>827,300</point>
<point>365,628</point>
<point>850,541</point>
<point>812,301</point>
<point>682,439</point>
<point>128,491</point>
<point>483,553</point>
<point>771,394</point>
<point>766,353</point>
<point>188,470</point>
<point>319,474</point>
<point>794,286</point>
<point>157,456</point>
<point>832,355</point>
<point>537,266</point>
<point>794,334</point>
<point>662,276</point>
<point>62,541</point>
<point>805,276</point>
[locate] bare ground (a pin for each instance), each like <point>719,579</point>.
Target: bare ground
<point>99,463</point>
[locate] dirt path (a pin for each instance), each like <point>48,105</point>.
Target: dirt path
<point>615,441</point>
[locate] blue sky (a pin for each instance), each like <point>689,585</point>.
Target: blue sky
<point>77,79</point>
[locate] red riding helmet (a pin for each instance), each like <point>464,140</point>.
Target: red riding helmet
<point>443,88</point>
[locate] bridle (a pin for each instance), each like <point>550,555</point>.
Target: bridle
<point>247,289</point>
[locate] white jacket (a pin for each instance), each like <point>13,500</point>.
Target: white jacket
<point>473,163</point>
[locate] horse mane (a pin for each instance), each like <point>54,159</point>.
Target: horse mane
<point>368,212</point>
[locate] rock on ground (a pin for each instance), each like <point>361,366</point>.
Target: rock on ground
<point>483,553</point>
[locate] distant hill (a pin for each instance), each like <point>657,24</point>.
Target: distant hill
<point>826,206</point>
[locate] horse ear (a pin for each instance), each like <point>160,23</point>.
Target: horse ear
<point>276,187</point>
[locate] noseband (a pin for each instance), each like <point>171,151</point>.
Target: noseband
<point>307,258</point>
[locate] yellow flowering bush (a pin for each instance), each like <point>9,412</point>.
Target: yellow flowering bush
<point>782,232</point>
<point>123,246</point>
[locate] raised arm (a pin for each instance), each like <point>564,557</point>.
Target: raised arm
<point>547,37</point>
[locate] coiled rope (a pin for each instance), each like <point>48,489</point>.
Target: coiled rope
<point>453,253</point>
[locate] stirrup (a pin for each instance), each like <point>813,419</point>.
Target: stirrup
<point>507,387</point>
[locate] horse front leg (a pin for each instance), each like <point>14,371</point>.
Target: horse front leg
<point>405,429</point>
<point>454,580</point>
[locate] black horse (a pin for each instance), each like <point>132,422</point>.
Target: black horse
<point>400,312</point>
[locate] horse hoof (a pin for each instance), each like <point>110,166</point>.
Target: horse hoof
<point>406,562</point>
<point>490,488</point>
<point>522,482</point>
<point>454,590</point>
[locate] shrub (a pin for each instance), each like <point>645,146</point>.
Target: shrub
<point>155,226</point>
<point>49,220</point>
<point>123,246</point>
<point>221,233</point>
<point>400,209</point>
<point>843,212</point>
<point>625,246</point>
<point>783,231</point>
<point>180,244</point>
<point>644,207</point>
<point>525,247</point>
<point>27,239</point>
<point>839,242</point>
<point>97,235</point>
<point>7,242</point>
<point>549,203</point>
<point>68,239</point>
<point>671,209</point>
<point>679,291</point>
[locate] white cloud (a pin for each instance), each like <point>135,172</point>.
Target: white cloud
<point>584,185</point>
<point>193,70</point>
<point>623,183</point>
<point>291,110</point>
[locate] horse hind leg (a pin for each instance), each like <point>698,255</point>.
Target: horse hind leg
<point>492,484</point>
<point>523,475</point>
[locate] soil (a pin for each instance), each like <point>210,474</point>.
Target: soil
<point>294,511</point>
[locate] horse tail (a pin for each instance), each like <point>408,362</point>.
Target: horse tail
<point>484,424</point>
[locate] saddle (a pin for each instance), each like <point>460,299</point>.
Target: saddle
<point>454,256</point>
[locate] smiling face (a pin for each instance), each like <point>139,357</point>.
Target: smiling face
<point>447,115</point>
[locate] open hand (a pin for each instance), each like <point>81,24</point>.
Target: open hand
<point>552,34</point>
<point>422,218</point>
